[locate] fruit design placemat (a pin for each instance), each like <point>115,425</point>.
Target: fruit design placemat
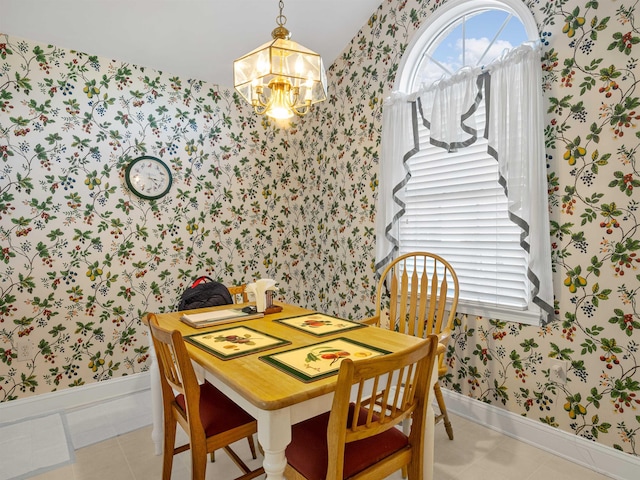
<point>320,360</point>
<point>234,342</point>
<point>320,324</point>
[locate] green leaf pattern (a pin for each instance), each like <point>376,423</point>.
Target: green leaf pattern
<point>82,260</point>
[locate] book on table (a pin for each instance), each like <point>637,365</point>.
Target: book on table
<point>218,317</point>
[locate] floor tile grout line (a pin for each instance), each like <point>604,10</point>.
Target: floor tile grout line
<point>126,457</point>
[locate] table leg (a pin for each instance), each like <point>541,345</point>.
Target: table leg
<point>429,443</point>
<point>430,429</point>
<point>157,433</point>
<point>274,434</point>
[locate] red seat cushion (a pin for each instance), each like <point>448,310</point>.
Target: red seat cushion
<point>217,411</point>
<point>307,451</point>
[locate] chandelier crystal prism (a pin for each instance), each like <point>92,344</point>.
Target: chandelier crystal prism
<point>280,78</point>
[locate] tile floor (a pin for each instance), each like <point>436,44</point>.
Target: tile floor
<point>476,453</point>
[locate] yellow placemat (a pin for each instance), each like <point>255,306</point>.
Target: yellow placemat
<point>320,324</point>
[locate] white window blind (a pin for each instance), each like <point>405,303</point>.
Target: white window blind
<point>456,208</point>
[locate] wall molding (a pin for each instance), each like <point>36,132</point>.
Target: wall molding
<point>73,398</point>
<point>594,456</point>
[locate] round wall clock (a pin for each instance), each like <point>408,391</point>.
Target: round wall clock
<point>148,177</point>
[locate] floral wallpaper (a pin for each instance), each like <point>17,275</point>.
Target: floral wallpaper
<point>83,258</point>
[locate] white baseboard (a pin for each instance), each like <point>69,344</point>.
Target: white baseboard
<point>599,458</point>
<point>70,399</point>
<point>592,455</point>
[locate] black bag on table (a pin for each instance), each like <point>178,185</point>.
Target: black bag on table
<point>204,292</point>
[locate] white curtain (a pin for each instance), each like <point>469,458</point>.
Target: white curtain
<point>511,88</point>
<point>400,142</point>
<point>453,102</point>
<point>516,140</point>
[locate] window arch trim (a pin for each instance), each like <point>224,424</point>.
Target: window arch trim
<point>441,18</point>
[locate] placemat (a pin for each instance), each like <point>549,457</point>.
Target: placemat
<point>234,342</point>
<point>320,324</point>
<point>320,360</point>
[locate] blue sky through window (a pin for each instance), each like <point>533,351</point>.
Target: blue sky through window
<point>486,35</point>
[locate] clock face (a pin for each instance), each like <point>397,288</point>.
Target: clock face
<point>148,177</point>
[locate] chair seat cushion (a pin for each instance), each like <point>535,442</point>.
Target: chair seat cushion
<point>307,452</point>
<point>218,412</point>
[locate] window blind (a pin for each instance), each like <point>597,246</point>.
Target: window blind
<point>456,208</point>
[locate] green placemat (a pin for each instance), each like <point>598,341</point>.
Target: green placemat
<point>320,360</point>
<point>234,342</point>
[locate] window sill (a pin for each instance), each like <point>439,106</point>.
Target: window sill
<point>525,317</point>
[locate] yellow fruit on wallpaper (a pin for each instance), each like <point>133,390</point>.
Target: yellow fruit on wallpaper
<point>569,157</point>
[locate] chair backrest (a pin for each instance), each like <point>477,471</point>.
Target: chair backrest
<point>422,287</point>
<point>391,388</point>
<point>177,376</point>
<point>239,292</point>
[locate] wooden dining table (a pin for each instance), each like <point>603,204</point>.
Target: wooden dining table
<point>275,397</point>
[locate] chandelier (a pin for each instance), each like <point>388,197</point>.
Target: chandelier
<point>280,78</point>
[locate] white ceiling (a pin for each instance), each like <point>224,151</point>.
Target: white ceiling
<point>190,38</point>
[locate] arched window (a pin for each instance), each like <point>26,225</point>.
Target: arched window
<point>463,161</point>
<point>464,34</point>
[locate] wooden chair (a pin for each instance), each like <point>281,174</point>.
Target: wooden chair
<point>342,444</point>
<point>210,419</point>
<point>238,291</point>
<point>422,290</point>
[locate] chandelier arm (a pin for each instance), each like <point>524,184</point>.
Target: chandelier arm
<point>259,100</point>
<point>301,111</point>
<point>259,110</point>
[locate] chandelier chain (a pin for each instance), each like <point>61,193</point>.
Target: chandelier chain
<point>281,19</point>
